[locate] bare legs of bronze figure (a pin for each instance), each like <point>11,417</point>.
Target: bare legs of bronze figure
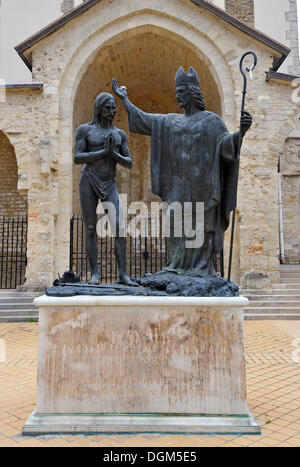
<point>89,203</point>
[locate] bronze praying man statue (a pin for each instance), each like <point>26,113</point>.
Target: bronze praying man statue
<point>100,146</point>
<point>193,159</point>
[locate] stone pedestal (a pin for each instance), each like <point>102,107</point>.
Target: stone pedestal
<point>141,364</point>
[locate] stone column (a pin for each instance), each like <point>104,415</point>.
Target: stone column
<point>292,37</point>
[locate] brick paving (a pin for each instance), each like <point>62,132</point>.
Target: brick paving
<point>273,382</point>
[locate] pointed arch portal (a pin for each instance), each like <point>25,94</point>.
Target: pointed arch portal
<point>13,220</point>
<point>145,56</point>
<point>146,62</point>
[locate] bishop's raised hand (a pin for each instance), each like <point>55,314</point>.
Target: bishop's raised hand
<point>119,91</point>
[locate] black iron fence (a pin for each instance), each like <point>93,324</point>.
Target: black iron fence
<point>13,249</point>
<point>145,254</point>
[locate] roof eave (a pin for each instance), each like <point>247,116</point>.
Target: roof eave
<point>271,74</point>
<point>254,33</point>
<point>33,86</point>
<point>25,60</point>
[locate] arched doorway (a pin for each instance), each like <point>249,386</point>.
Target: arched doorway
<point>289,202</point>
<point>12,203</point>
<point>13,220</point>
<point>177,45</point>
<point>146,62</point>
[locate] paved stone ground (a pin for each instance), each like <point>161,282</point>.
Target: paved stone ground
<point>273,381</point>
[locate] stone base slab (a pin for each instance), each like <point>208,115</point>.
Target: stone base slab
<point>144,423</point>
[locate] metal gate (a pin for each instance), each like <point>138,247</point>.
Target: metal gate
<point>144,254</point>
<point>13,249</point>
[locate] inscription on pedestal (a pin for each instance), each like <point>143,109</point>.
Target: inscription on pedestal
<point>141,360</point>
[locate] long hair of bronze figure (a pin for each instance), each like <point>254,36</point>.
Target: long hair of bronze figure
<point>242,70</point>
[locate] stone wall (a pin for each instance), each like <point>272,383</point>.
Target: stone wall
<point>243,10</point>
<point>290,173</point>
<point>24,118</point>
<point>258,193</point>
<point>270,105</point>
<point>152,92</point>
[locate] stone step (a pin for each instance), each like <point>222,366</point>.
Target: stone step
<point>17,295</point>
<point>275,298</point>
<point>277,316</point>
<point>16,299</point>
<point>22,301</point>
<point>24,311</point>
<point>291,280</point>
<point>272,292</point>
<point>290,273</point>
<point>17,306</point>
<point>290,285</point>
<point>275,303</point>
<point>289,267</point>
<point>273,310</point>
<point>18,319</point>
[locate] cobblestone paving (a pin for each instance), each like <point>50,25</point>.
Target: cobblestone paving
<point>273,382</point>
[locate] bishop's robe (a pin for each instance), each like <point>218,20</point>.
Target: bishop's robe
<point>193,159</point>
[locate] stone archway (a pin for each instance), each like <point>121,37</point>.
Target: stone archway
<point>207,55</point>
<point>13,219</point>
<point>147,64</point>
<point>290,190</point>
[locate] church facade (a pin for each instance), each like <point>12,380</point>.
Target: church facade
<point>142,44</point>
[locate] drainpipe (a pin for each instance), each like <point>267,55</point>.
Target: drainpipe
<point>281,233</point>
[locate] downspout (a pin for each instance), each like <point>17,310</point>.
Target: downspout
<point>281,233</point>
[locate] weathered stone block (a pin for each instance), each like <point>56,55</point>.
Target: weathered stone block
<point>140,355</point>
